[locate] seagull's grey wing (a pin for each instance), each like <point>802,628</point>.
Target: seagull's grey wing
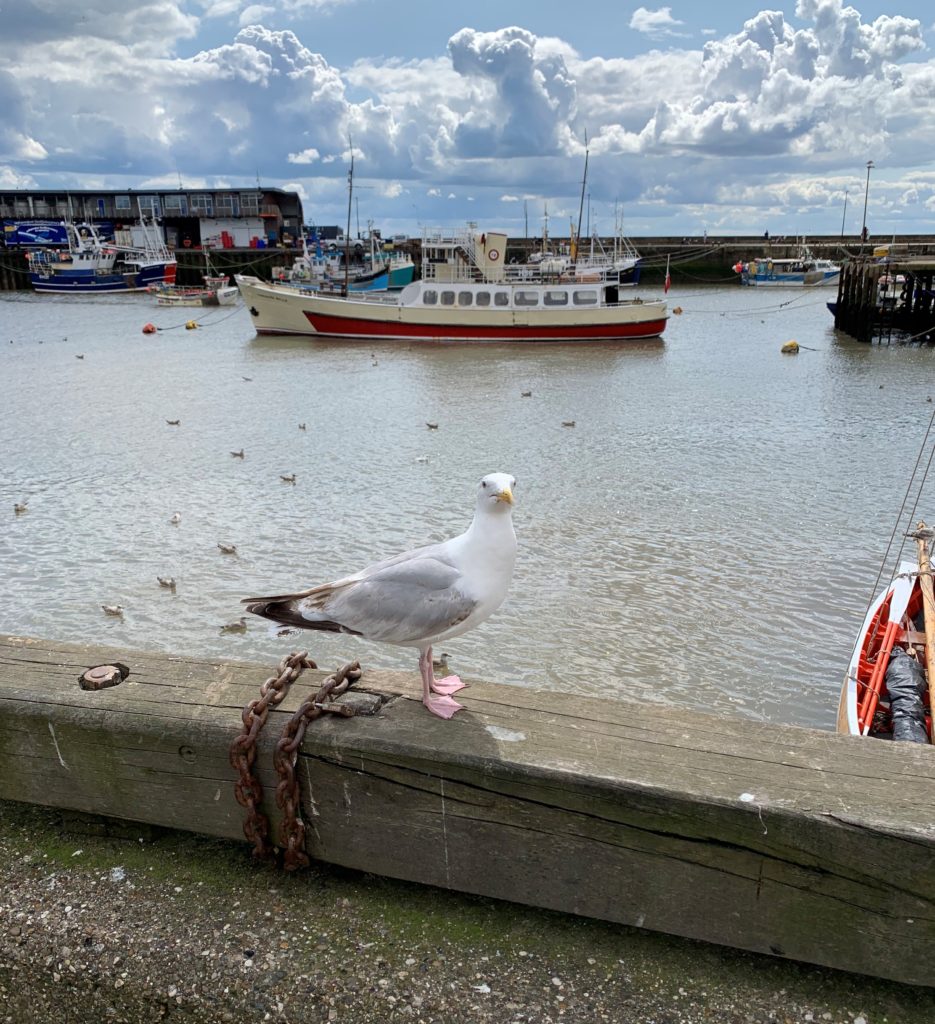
<point>404,601</point>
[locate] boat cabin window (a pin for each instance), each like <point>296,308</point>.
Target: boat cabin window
<point>448,298</point>
<point>585,298</point>
<point>555,298</point>
<point>482,298</point>
<point>526,298</point>
<point>501,299</point>
<point>429,297</point>
<point>465,298</point>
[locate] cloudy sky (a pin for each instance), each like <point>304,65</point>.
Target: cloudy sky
<point>725,117</point>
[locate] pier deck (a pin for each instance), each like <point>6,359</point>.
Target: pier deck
<point>776,839</point>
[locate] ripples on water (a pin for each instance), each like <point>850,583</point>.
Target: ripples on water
<point>706,535</point>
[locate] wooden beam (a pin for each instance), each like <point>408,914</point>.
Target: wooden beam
<point>777,839</point>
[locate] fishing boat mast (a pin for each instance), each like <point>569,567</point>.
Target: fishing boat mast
<point>347,236</point>
<point>584,185</point>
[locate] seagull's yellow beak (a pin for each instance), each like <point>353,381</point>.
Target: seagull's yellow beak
<point>506,495</point>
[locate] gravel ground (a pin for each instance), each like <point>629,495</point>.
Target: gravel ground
<point>103,921</point>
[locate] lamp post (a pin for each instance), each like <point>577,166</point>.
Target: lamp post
<point>844,215</point>
<point>863,230</point>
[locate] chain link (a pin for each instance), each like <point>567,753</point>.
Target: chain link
<point>243,750</point>
<point>292,830</point>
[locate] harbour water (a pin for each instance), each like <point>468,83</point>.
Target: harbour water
<point>707,534</point>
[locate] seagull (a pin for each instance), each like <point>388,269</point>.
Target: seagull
<point>176,518</point>
<point>568,423</point>
<point>173,423</point>
<point>113,609</point>
<point>79,357</point>
<point>227,549</point>
<point>287,478</point>
<point>301,426</point>
<point>421,597</point>
<point>525,394</point>
<point>240,626</point>
<point>166,581</point>
<point>238,455</point>
<point>20,507</point>
<point>246,378</point>
<point>432,426</point>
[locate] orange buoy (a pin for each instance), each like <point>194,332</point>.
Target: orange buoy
<point>677,311</point>
<point>149,328</point>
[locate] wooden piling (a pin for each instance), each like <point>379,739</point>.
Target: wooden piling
<point>776,839</point>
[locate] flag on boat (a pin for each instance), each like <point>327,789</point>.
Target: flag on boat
<point>668,276</point>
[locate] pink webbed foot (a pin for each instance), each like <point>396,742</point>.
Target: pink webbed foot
<point>443,706</point>
<point>448,685</point>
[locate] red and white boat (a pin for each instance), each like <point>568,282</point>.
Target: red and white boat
<point>466,294</point>
<point>887,692</point>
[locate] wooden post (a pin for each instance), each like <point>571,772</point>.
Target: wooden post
<point>928,611</point>
<point>771,838</point>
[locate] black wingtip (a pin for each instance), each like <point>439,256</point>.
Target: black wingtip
<point>284,613</point>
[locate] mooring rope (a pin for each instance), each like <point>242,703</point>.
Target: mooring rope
<point>899,515</point>
<point>213,323</point>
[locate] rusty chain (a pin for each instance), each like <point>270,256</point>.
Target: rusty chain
<point>292,829</point>
<point>247,789</point>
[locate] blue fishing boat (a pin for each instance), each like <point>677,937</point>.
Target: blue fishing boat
<point>92,265</point>
<point>801,271</point>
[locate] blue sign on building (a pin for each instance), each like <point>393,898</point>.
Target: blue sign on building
<point>34,232</point>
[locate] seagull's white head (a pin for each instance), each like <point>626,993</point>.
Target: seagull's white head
<point>495,492</point>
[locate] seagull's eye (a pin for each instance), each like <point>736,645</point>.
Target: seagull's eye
<point>483,483</point>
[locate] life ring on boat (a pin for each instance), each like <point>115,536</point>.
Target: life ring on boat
<point>493,255</point>
<point>187,243</point>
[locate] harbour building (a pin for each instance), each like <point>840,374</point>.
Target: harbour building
<point>227,218</point>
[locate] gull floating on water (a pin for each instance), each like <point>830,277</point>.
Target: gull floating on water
<point>238,455</point>
<point>421,597</point>
<point>301,426</point>
<point>20,507</point>
<point>227,549</point>
<point>287,478</point>
<point>78,357</point>
<point>166,581</point>
<point>240,626</point>
<point>113,609</point>
<point>176,518</point>
<point>432,426</point>
<point>173,423</point>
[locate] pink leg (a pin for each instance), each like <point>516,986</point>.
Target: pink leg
<point>439,703</point>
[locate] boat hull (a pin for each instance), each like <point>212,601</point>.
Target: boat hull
<point>280,310</point>
<point>71,282</point>
<point>791,280</point>
<point>401,276</point>
<point>863,705</point>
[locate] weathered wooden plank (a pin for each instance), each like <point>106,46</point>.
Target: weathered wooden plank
<point>776,839</point>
